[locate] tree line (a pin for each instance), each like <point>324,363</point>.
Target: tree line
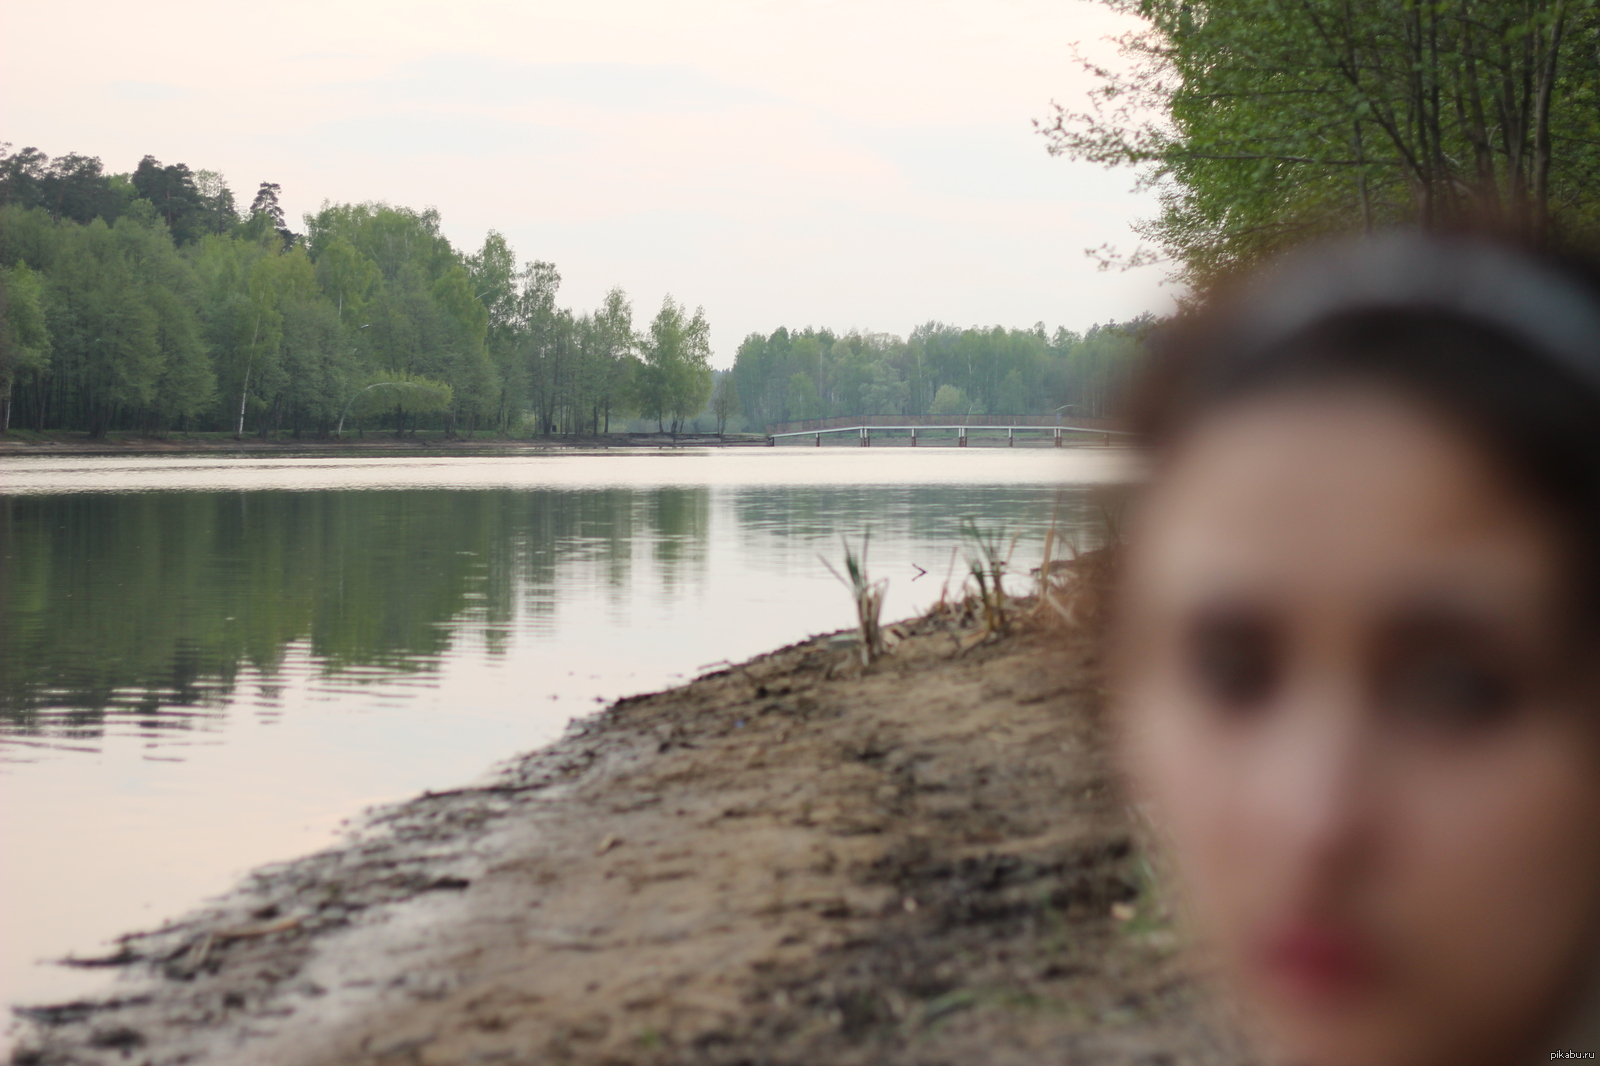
<point>151,302</point>
<point>939,369</point>
<point>1264,122</point>
<point>148,301</point>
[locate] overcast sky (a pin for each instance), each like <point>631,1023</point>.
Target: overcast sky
<point>857,164</point>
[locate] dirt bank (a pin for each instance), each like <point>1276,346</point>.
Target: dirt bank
<point>794,860</point>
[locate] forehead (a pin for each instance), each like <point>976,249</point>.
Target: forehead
<point>1335,493</point>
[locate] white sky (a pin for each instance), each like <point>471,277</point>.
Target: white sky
<point>859,163</point>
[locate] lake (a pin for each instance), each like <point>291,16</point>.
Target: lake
<point>207,663</point>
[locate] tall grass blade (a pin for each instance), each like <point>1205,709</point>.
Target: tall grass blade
<point>868,596</point>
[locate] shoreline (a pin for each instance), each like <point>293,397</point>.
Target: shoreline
<point>436,444</point>
<point>794,859</point>
<point>80,444</point>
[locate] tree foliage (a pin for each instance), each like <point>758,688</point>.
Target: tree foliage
<point>724,401</point>
<point>939,369</point>
<point>1263,122</point>
<point>146,302</point>
<point>675,381</point>
<point>24,336</point>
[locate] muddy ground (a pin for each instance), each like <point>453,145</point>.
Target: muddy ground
<point>791,861</point>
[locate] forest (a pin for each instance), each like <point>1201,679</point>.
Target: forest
<point>939,370</point>
<point>151,302</point>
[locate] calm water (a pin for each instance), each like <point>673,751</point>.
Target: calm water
<point>206,664</point>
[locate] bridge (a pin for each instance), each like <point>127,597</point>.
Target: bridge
<point>864,433</point>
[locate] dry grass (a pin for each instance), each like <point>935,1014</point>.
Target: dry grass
<point>1069,589</point>
<point>868,597</point>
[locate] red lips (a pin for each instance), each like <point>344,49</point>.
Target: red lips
<point>1317,962</point>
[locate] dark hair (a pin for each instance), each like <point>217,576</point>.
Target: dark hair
<point>1504,344</point>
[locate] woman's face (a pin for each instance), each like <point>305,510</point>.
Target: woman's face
<point>1347,700</point>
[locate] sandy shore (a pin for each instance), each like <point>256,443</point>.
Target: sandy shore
<point>794,860</point>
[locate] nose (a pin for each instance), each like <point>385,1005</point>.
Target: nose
<point>1314,798</point>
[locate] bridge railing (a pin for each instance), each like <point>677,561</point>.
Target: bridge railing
<point>865,432</point>
<point>810,425</point>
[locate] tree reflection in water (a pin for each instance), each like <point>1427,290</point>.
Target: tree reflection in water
<point>146,612</point>
<point>147,605</point>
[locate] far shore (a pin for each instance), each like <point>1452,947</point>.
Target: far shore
<point>29,443</point>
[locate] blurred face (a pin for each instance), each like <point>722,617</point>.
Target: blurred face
<point>1347,699</point>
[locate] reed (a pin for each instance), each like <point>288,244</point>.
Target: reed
<point>868,596</point>
<point>1071,586</point>
<point>988,559</point>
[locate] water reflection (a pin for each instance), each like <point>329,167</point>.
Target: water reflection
<point>140,610</point>
<point>784,515</point>
<point>211,670</point>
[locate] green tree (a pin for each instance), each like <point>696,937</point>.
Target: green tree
<point>803,401</point>
<point>176,198</point>
<point>615,350</point>
<point>348,278</point>
<point>185,385</point>
<point>72,186</point>
<point>677,371</point>
<point>108,352</point>
<point>544,338</point>
<point>950,400</point>
<point>24,334</point>
<point>405,394</point>
<point>319,363</point>
<point>461,358</point>
<point>277,280</point>
<point>1263,122</point>
<point>493,271</point>
<point>266,216</point>
<point>886,392</point>
<point>240,322</point>
<point>691,383</point>
<point>217,212</point>
<point>724,401</point>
